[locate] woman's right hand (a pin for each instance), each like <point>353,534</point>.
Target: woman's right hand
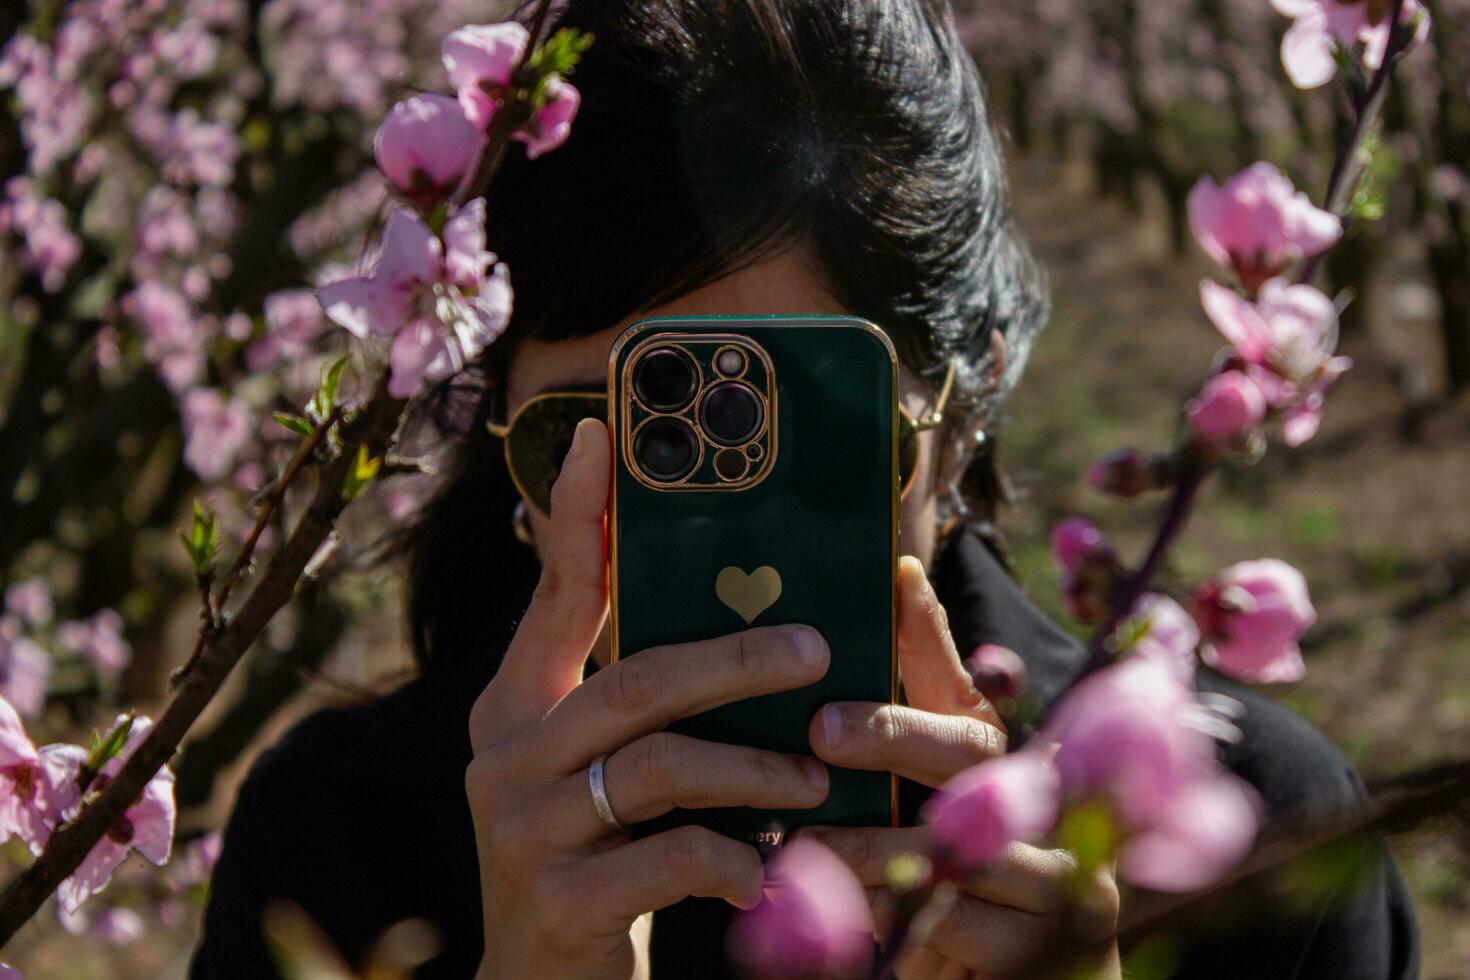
<point>560,890</point>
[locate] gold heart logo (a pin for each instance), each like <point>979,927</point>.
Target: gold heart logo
<point>749,595</point>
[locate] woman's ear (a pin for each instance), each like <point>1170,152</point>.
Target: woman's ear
<point>965,435</point>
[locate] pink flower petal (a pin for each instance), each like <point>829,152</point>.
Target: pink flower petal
<point>410,250</point>
<point>1235,318</point>
<point>553,123</point>
<point>1205,830</point>
<point>814,920</point>
<point>16,747</point>
<point>1306,50</point>
<point>978,813</point>
<point>366,307</point>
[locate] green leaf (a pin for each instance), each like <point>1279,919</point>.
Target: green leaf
<point>364,469</point>
<point>202,541</point>
<point>295,423</point>
<point>553,58</point>
<point>325,399</point>
<point>1088,831</point>
<point>108,746</point>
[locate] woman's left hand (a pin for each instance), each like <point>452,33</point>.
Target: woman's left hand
<point>1004,916</point>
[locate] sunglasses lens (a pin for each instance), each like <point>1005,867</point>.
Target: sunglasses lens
<point>539,439</point>
<point>908,452</point>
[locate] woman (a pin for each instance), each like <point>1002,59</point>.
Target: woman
<point>806,156</point>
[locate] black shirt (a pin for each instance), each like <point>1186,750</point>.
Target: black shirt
<point>359,816</point>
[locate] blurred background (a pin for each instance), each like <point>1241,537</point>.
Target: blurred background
<point>179,173</point>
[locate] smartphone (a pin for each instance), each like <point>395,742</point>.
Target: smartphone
<point>755,483</point>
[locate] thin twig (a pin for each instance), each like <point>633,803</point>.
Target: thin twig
<point>273,498</point>
<point>1347,166</point>
<point>507,119</point>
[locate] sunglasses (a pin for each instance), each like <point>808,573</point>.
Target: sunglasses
<point>538,436</point>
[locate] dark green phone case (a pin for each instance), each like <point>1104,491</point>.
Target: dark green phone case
<point>824,518</point>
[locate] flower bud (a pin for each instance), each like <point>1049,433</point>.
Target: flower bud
<point>1090,569</point>
<point>425,148</point>
<point>1127,473</point>
<point>976,814</point>
<point>814,921</point>
<point>1253,613</point>
<point>1227,411</point>
<point>997,672</point>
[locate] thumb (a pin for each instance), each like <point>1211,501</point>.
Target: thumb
<point>934,679</point>
<point>551,646</point>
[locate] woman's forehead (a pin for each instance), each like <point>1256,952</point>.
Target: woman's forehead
<point>787,282</point>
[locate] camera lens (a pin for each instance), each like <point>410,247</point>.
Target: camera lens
<point>665,380</point>
<point>667,449</point>
<point>730,413</point>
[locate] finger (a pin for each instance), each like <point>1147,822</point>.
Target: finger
<point>919,963</point>
<point>992,940</point>
<point>933,676</point>
<point>1029,879</point>
<point>661,771</point>
<point>546,658</point>
<point>645,692</point>
<point>655,872</point>
<point>924,746</point>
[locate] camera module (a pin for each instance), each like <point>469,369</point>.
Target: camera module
<point>666,448</point>
<point>665,379</point>
<point>730,413</point>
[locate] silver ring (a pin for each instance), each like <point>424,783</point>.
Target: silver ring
<point>599,796</point>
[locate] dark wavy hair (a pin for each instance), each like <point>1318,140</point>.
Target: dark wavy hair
<point>711,133</point>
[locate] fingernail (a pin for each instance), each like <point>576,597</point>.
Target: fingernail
<point>832,725</point>
<point>816,773</point>
<point>808,643</point>
<point>578,439</point>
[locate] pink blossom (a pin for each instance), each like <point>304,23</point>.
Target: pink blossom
<point>1204,831</point>
<point>25,669</point>
<point>1285,340</point>
<point>98,639</point>
<point>976,814</point>
<point>115,925</point>
<point>1255,612</point>
<point>1168,634</point>
<point>1320,25</point>
<point>215,431</point>
<point>31,601</point>
<point>441,299</point>
<point>146,827</point>
<point>425,148</point>
<point>1075,541</point>
<point>813,922</point>
<point>1090,569</point>
<point>293,321</point>
<point>552,124</point>
<point>1258,223</point>
<point>1122,732</point>
<point>199,152</point>
<point>1133,736</point>
<point>480,60</point>
<point>50,247</point>
<point>36,788</point>
<point>200,856</point>
<point>165,226</point>
<point>173,335</point>
<point>998,672</point>
<point>1227,411</point>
